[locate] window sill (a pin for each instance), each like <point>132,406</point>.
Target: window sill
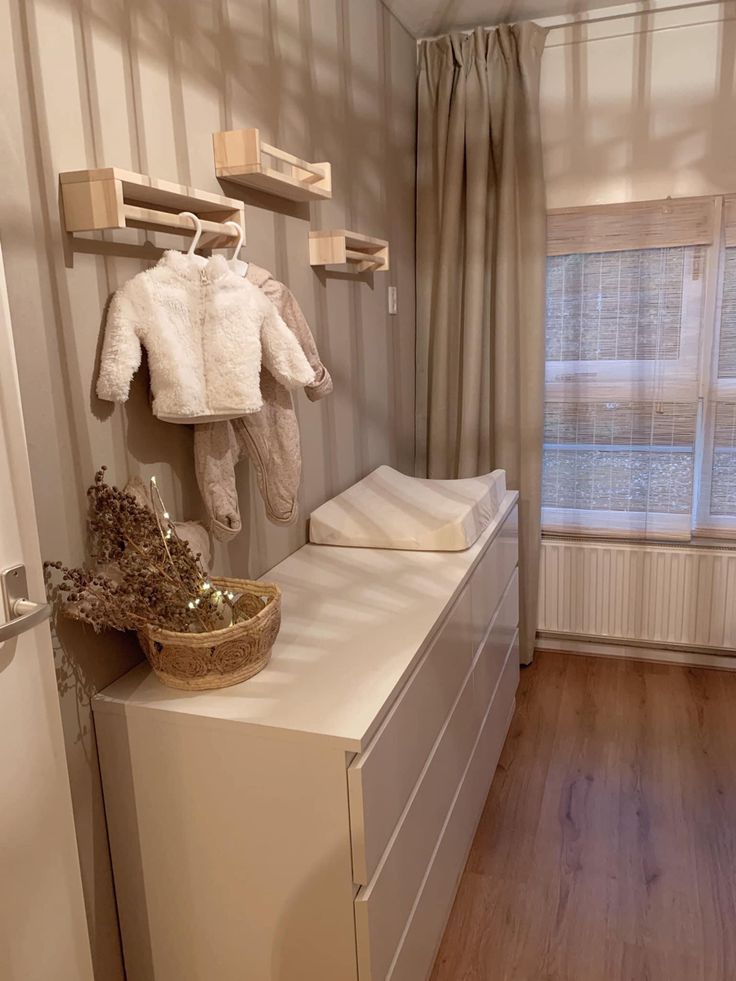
<point>704,541</point>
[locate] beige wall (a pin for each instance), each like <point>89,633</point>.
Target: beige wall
<point>142,84</point>
<point>640,107</point>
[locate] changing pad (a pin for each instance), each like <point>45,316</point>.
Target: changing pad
<point>387,509</point>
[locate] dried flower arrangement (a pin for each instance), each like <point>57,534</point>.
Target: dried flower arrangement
<point>144,574</point>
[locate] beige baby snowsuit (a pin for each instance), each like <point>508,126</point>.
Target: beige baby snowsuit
<point>269,437</point>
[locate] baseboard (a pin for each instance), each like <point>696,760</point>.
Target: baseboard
<point>592,648</point>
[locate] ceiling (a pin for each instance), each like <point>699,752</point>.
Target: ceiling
<point>428,18</point>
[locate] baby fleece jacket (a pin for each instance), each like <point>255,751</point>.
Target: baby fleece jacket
<point>207,331</point>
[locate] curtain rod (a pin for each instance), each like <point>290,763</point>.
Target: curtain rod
<point>634,13</point>
<point>582,22</point>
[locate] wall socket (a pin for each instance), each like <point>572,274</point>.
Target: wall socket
<point>393,302</point>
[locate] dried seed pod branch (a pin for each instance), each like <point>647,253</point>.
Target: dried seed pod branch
<point>143,572</point>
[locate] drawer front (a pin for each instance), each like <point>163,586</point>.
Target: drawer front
<point>381,779</point>
<point>415,958</point>
<point>493,655</point>
<point>491,576</point>
<point>382,909</point>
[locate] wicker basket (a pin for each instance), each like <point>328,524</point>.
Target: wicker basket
<point>220,658</point>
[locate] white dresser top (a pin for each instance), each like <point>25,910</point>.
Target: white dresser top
<point>354,623</point>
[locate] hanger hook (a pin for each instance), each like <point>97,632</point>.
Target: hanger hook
<point>197,230</point>
<point>239,228</point>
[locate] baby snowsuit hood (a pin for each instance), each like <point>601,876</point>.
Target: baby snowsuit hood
<point>207,331</point>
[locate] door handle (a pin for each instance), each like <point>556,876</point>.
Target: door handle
<point>21,614</point>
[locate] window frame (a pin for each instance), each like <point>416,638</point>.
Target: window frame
<point>712,389</point>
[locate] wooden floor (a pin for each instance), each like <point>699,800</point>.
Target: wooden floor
<point>607,848</point>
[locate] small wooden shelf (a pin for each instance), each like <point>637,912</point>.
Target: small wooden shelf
<point>113,198</point>
<point>239,157</point>
<point>339,247</point>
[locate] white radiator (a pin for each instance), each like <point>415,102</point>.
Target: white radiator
<point>653,594</point>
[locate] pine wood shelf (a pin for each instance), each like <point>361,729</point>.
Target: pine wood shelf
<point>239,157</point>
<point>94,200</point>
<point>339,247</point>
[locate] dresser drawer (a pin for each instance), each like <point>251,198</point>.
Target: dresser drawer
<point>414,959</point>
<point>382,908</point>
<point>496,644</point>
<point>491,576</point>
<point>381,779</point>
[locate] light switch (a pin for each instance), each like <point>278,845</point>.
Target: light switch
<point>393,304</point>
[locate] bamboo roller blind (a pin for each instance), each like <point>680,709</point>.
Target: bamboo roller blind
<point>729,219</point>
<point>635,225</point>
<point>727,345</point>
<point>722,501</point>
<point>615,306</point>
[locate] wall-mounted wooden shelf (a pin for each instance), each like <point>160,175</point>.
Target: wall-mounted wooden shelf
<point>113,198</point>
<point>239,157</point>
<point>339,247</point>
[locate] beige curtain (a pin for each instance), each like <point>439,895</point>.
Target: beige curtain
<point>481,252</point>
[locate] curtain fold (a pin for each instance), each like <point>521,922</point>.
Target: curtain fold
<point>481,253</point>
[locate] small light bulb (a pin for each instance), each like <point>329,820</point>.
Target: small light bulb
<point>167,515</point>
<point>190,604</point>
<point>153,481</point>
<point>206,586</point>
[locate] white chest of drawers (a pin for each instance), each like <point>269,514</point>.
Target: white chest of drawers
<point>312,823</point>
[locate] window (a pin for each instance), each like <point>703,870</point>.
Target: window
<point>640,401</point>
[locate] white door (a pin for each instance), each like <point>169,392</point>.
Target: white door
<point>43,932</point>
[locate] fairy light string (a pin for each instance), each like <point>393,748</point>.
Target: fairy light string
<point>215,598</point>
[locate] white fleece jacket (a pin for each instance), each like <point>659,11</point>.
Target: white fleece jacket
<point>206,331</point>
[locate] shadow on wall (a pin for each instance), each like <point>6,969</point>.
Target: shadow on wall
<point>637,109</point>
<point>142,85</point>
<point>261,78</point>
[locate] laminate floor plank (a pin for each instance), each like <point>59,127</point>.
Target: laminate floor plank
<point>607,846</point>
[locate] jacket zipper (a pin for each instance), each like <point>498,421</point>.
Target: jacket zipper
<point>202,325</point>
